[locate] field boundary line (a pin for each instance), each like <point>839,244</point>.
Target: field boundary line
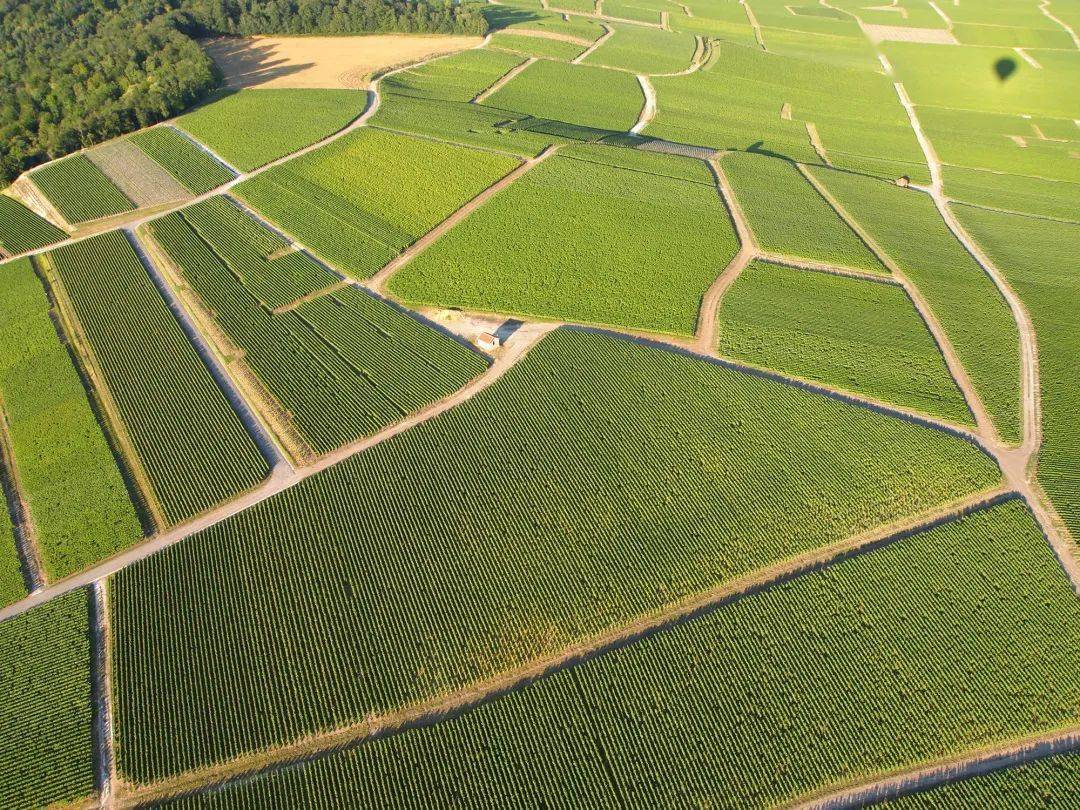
<point>997,757</point>
<point>600,40</point>
<point>502,81</point>
<point>1044,7</point>
<point>752,18</point>
<point>101,692</point>
<point>26,191</point>
<point>815,141</point>
<point>187,136</point>
<point>22,525</point>
<point>953,363</point>
<point>283,477</point>
<point>648,107</point>
<point>812,266</point>
<point>94,376</point>
<point>378,281</point>
<point>452,705</point>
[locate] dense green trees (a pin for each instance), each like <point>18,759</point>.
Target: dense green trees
<point>76,72</point>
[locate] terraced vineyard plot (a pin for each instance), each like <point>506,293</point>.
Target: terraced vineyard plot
<point>888,660</point>
<point>584,239</point>
<point>789,217</point>
<point>596,481</point>
<point>973,314</point>
<point>67,474</point>
<point>460,77</point>
<point>541,47</point>
<point>79,190</point>
<point>22,230</point>
<point>1029,195</point>
<point>194,448</point>
<point>362,199</point>
<point>641,10</point>
<point>1052,782</point>
<point>189,164</point>
<point>45,737</point>
<point>1038,258</point>
<point>645,50</point>
<point>340,366</point>
<point>273,272</point>
<point>573,94</point>
<point>250,128</point>
<point>849,333</point>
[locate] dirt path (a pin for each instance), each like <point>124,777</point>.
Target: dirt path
<point>503,80</point>
<point>953,769</point>
<point>101,693</point>
<point>604,37</point>
<point>815,141</point>
<point>1044,7</point>
<point>697,61</point>
<point>283,477</point>
<point>378,281</point>
<point>648,108</point>
<point>448,706</point>
<point>752,18</point>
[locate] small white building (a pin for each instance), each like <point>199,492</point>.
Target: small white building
<point>487,341</point>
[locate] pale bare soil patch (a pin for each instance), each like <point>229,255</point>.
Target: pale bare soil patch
<point>902,33</point>
<point>323,62</point>
<point>136,174</point>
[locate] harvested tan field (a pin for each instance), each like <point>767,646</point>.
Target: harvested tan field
<point>136,174</point>
<point>323,62</point>
<point>902,33</point>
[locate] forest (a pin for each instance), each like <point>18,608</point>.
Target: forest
<point>77,72</point>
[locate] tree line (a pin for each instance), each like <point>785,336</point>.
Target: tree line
<point>77,72</point>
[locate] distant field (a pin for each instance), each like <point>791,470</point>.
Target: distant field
<point>1012,192</point>
<point>889,661</point>
<point>362,199</point>
<point>338,367</point>
<point>193,167</point>
<point>645,50</point>
<point>850,333</point>
<point>322,62</point>
<point>194,448</point>
<point>1038,258</point>
<point>546,500</point>
<point>250,128</point>
<point>22,230</point>
<point>541,47</point>
<point>79,190</point>
<point>789,217</point>
<point>78,503</point>
<point>46,752</point>
<point>457,78</point>
<point>595,235</point>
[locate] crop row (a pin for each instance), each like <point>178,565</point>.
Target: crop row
<point>342,366</point>
<point>22,230</point>
<point>952,639</point>
<point>79,190</point>
<point>194,448</point>
<point>460,77</point>
<point>194,168</point>
<point>45,737</point>
<point>596,481</point>
<point>77,499</point>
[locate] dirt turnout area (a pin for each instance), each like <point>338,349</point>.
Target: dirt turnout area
<point>327,62</point>
<point>902,33</point>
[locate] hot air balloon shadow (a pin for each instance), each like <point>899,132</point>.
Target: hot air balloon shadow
<point>1004,68</point>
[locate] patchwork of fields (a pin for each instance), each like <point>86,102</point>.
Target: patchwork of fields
<point>649,404</point>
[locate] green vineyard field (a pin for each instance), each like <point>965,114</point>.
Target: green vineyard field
<point>22,230</point>
<point>194,168</point>
<point>79,190</point>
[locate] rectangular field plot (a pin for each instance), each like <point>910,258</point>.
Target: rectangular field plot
<point>79,190</point>
<point>593,234</point>
<point>573,94</point>
<point>540,47</point>
<point>22,230</point>
<point>46,755</point>
<point>647,11</point>
<point>362,199</point>
<point>843,674</point>
<point>853,334</point>
<point>596,481</point>
<point>1038,258</point>
<point>337,367</point>
<point>185,161</point>
<point>965,301</point>
<point>250,128</point>
<point>460,77</point>
<point>138,176</point>
<point>1027,195</point>
<point>191,444</point>
<point>645,50</point>
<point>76,497</point>
<point>789,217</point>
<point>512,16</point>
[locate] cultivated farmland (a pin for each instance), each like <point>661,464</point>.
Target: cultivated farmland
<point>45,742</point>
<point>79,190</point>
<point>361,200</point>
<point>1052,782</point>
<point>535,500</point>
<point>185,161</point>
<point>853,334</point>
<point>22,230</point>
<point>66,473</point>
<point>570,241</point>
<point>192,446</point>
<point>645,50</point>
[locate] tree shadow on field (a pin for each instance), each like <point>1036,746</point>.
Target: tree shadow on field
<point>243,64</point>
<point>499,17</point>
